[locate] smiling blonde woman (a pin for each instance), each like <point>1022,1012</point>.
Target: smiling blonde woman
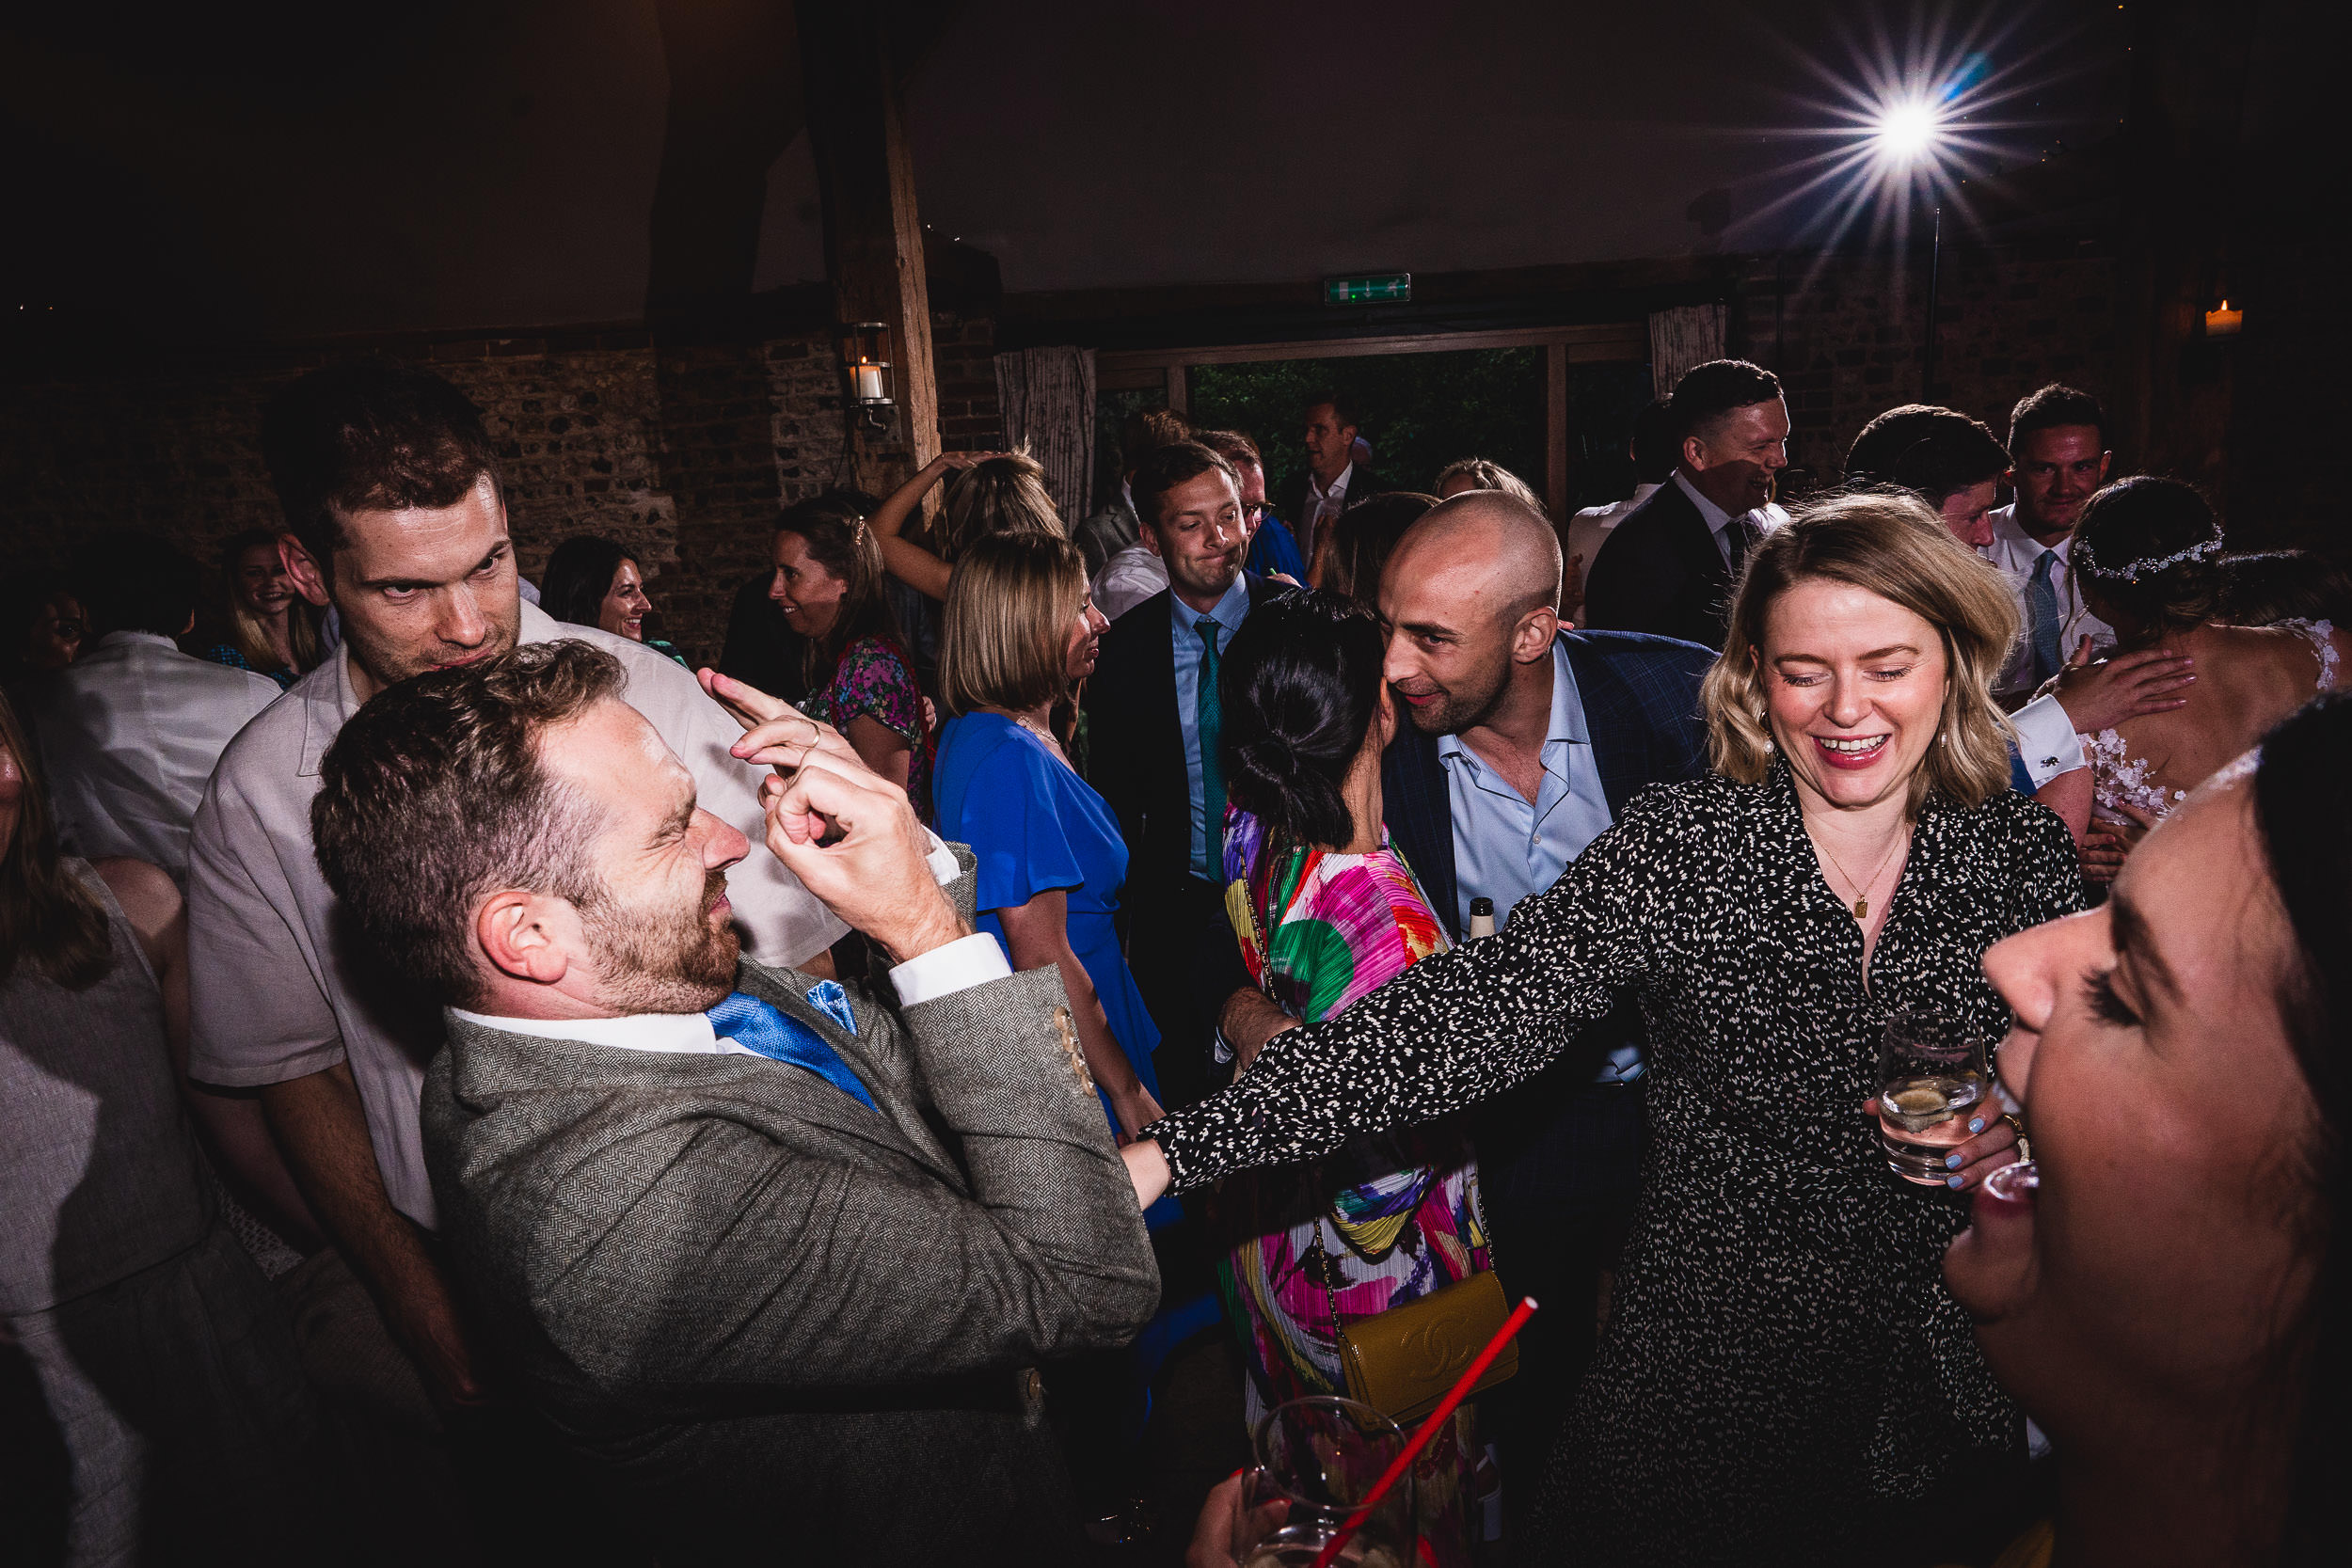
<point>1784,1376</point>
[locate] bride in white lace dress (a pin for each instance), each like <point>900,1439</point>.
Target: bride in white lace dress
<point>2147,562</point>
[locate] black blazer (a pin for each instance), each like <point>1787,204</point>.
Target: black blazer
<point>1641,697</point>
<point>1660,571</point>
<point>1136,746</point>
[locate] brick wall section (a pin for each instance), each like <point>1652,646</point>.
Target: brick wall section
<point>685,454</point>
<point>1846,338</point>
<point>575,435</point>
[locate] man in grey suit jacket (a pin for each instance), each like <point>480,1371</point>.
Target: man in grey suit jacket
<point>774,1253</point>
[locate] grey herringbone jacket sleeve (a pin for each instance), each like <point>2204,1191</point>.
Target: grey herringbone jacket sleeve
<point>671,1232</point>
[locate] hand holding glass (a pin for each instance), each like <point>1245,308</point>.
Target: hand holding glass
<point>1316,1461</point>
<point>1931,1078</point>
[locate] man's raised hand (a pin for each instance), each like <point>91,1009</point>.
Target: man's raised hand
<point>874,873</point>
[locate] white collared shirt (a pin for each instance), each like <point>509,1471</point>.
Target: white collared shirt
<point>1322,506</point>
<point>2015,552</point>
<point>1719,521</point>
<point>128,733</point>
<point>959,965</point>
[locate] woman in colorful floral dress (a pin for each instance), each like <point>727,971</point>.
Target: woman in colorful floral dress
<point>829,584</point>
<point>1327,911</point>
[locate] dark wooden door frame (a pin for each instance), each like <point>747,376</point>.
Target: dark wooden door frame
<point>1126,370</point>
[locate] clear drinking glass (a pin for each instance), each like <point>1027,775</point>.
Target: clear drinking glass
<point>1931,1078</point>
<point>2016,1181</point>
<point>1316,1461</point>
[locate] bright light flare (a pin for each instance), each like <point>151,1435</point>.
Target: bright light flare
<point>1905,127</point>
<point>1908,132</point>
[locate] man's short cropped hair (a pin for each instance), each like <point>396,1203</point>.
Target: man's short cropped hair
<point>1707,393</point>
<point>1146,431</point>
<point>1933,452</point>
<point>370,435</point>
<point>1656,447</point>
<point>1167,469</point>
<point>2047,407</point>
<point>1343,409</point>
<point>434,797</point>
<point>136,583</point>
<point>1232,445</point>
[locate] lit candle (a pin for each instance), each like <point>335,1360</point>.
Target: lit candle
<point>867,380</point>
<point>2224,323</point>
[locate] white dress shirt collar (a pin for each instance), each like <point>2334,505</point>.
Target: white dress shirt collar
<point>1717,518</point>
<point>679,1033</point>
<point>1338,491</point>
<point>2015,550</point>
<point>959,965</point>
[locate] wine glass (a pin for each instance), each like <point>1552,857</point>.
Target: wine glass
<point>1317,1458</point>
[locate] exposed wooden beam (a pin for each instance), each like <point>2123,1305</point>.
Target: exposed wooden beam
<point>1604,341</point>
<point>873,236</point>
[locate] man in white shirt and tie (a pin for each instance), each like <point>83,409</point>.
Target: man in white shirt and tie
<point>2059,459</point>
<point>132,729</point>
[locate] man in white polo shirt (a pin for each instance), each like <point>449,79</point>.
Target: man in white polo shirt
<point>396,516</point>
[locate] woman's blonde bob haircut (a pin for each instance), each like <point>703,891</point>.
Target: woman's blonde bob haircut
<point>1894,545</point>
<point>1006,638</point>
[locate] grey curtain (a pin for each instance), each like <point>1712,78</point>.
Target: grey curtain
<point>1685,335</point>
<point>1048,398</point>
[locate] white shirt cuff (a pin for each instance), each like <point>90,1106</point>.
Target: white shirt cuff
<point>2046,740</point>
<point>968,961</point>
<point>942,861</point>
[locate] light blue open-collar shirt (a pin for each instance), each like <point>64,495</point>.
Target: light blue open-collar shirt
<point>1208,841</point>
<point>1506,847</point>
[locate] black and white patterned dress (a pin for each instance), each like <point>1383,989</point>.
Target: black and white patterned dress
<point>1783,1364</point>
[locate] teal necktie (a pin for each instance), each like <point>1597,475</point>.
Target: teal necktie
<point>1209,719</point>
<point>2041,616</point>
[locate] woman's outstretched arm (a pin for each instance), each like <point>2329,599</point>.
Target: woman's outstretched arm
<point>1451,1030</point>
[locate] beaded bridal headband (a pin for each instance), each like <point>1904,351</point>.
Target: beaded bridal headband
<point>2132,571</point>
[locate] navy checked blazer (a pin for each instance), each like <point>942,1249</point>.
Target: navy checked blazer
<point>1641,697</point>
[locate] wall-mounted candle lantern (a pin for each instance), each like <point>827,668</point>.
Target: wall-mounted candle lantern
<point>865,373</point>
<point>2223,321</point>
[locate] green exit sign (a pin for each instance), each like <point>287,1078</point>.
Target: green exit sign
<point>1380,288</point>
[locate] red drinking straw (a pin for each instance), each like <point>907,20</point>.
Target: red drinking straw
<point>1438,1418</point>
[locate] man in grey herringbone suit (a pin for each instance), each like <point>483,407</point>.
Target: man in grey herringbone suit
<point>774,1253</point>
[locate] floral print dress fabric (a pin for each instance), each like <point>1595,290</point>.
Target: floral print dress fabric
<point>1395,1214</point>
<point>873,680</point>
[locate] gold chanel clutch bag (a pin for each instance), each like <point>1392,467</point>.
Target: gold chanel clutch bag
<point>1402,1361</point>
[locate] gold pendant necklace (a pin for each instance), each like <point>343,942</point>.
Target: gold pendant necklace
<point>1862,892</point>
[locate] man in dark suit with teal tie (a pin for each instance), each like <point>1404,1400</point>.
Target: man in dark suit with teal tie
<point>1152,719</point>
<point>773,1253</point>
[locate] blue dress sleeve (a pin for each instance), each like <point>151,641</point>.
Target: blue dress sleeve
<point>1011,819</point>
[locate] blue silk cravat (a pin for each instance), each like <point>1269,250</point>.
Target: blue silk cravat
<point>758,1027</point>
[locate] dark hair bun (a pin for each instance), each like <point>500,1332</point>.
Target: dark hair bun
<point>1300,687</point>
<point>2149,549</point>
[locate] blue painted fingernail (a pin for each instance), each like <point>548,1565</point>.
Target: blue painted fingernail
<point>1975,1124</point>
<point>1951,1182</point>
<point>1952,1162</point>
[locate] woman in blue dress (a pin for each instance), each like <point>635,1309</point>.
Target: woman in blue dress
<point>1020,632</point>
